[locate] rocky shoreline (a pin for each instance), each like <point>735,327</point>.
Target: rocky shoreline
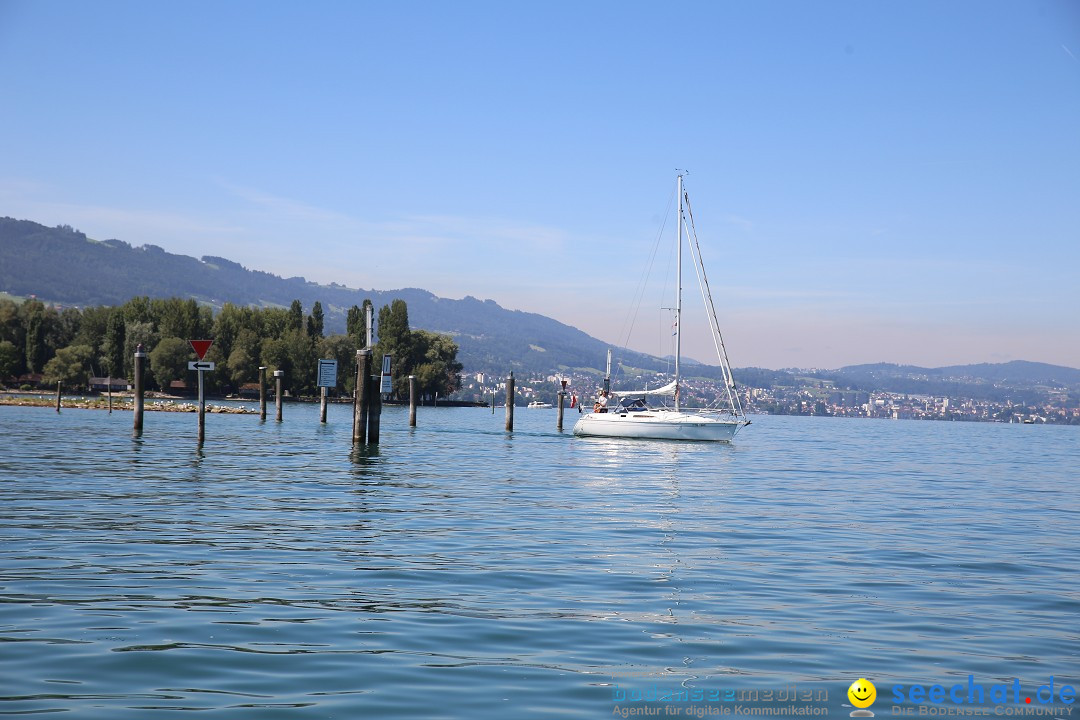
<point>124,403</point>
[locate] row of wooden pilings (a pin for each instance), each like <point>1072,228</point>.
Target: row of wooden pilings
<point>367,400</point>
<point>510,404</point>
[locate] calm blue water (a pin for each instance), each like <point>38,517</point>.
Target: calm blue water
<point>459,572</point>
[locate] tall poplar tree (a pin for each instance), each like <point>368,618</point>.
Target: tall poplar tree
<point>296,316</point>
<point>315,321</point>
<point>112,348</point>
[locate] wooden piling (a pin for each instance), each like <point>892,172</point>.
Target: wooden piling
<point>202,409</point>
<point>262,392</point>
<point>110,394</point>
<point>562,404</point>
<point>140,359</point>
<point>369,327</point>
<point>360,398</point>
<point>375,409</point>
<point>278,377</point>
<point>510,402</point>
<point>412,401</point>
<point>322,404</point>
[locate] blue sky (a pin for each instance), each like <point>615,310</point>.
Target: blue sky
<point>885,181</point>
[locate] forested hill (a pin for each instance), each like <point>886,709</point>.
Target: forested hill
<point>1016,372</point>
<point>62,265</point>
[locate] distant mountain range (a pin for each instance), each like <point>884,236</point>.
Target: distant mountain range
<point>1018,381</point>
<point>62,265</point>
<point>1015,372</point>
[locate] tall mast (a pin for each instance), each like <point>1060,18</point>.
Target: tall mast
<point>678,297</point>
<point>607,373</point>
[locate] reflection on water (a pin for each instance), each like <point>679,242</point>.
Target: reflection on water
<point>457,571</point>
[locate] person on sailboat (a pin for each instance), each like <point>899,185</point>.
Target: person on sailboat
<point>601,402</point>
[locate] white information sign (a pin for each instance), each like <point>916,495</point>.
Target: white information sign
<point>200,365</point>
<point>327,373</point>
<point>387,386</point>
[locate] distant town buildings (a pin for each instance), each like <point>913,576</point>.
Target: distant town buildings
<point>810,397</point>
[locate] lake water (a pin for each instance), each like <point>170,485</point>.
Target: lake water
<point>461,572</point>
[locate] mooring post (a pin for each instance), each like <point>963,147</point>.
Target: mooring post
<point>322,404</point>
<point>202,409</point>
<point>58,395</point>
<point>278,376</point>
<point>510,402</point>
<point>262,392</point>
<point>493,401</point>
<point>562,403</point>
<point>140,358</point>
<point>412,401</point>
<point>110,394</point>
<point>361,401</point>
<point>375,409</point>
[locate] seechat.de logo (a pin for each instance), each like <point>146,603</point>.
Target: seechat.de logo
<point>862,695</point>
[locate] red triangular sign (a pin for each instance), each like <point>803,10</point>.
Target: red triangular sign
<point>200,347</point>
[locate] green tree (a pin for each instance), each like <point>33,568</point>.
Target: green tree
<point>92,331</point>
<point>302,363</point>
<point>34,326</point>
<point>343,349</point>
<point>244,358</point>
<point>395,339</point>
<point>218,380</point>
<point>227,325</point>
<point>70,365</point>
<point>12,330</point>
<point>112,347</point>
<point>178,318</point>
<point>275,355</point>
<point>315,321</point>
<point>137,309</point>
<point>67,327</point>
<point>275,323</point>
<point>136,332</point>
<point>430,356</point>
<point>354,324</point>
<point>9,359</point>
<point>296,316</point>
<point>435,365</point>
<point>10,322</point>
<point>168,361</point>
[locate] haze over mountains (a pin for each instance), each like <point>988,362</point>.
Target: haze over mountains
<point>62,265</point>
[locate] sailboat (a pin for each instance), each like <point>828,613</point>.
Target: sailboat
<point>631,414</point>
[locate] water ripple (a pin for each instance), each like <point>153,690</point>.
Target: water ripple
<point>456,571</point>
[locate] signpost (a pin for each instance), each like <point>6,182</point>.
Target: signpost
<point>327,379</point>
<point>200,347</point>
<point>327,373</point>
<point>387,386</point>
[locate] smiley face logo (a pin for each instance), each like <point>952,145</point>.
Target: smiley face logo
<point>862,693</point>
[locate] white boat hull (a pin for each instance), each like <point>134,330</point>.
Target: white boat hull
<point>658,425</point>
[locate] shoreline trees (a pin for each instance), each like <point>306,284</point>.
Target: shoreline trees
<point>42,343</point>
<point>431,357</point>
